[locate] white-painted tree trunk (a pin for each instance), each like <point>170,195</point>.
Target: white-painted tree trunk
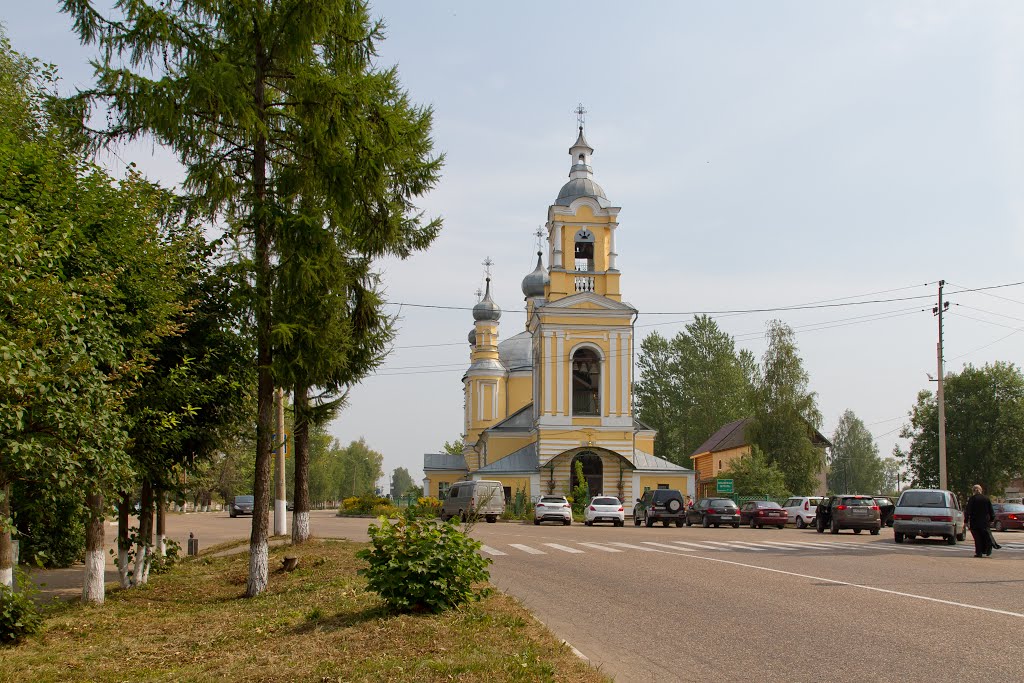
<point>122,568</point>
<point>161,544</point>
<point>7,576</point>
<point>139,575</point>
<point>300,527</point>
<point>258,558</point>
<point>93,581</point>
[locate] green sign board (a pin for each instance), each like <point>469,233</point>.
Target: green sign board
<point>724,485</point>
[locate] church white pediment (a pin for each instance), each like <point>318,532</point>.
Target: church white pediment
<point>588,301</point>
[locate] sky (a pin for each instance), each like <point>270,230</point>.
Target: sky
<point>764,154</point>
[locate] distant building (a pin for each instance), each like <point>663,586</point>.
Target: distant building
<point>559,392</point>
<point>729,443</point>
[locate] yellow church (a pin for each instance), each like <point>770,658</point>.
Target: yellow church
<point>559,391</point>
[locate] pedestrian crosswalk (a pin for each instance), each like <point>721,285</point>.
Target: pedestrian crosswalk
<point>705,546</point>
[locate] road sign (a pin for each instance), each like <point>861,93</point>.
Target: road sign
<point>724,485</point>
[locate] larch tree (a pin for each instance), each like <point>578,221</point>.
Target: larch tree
<point>266,102</point>
<point>854,465</point>
<point>786,412</point>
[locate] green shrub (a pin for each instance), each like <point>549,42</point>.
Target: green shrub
<point>419,565</point>
<point>362,505</point>
<point>19,614</point>
<point>580,492</point>
<point>51,531</point>
<point>428,506</point>
<point>384,510</point>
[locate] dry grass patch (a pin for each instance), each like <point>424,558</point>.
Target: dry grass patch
<point>318,623</point>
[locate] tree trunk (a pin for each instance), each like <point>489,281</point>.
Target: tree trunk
<point>300,514</point>
<point>145,530</point>
<point>123,544</point>
<point>258,552</point>
<point>6,547</point>
<point>94,578</point>
<point>161,531</point>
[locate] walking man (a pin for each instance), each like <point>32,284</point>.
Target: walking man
<point>978,514</point>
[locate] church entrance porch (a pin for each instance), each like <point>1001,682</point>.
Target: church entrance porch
<point>606,472</point>
<point>593,472</point>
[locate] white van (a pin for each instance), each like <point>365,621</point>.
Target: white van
<point>928,512</point>
<point>468,499</point>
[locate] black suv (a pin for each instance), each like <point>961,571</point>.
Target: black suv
<point>660,505</point>
<point>714,512</point>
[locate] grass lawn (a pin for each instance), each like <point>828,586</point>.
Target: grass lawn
<point>317,623</point>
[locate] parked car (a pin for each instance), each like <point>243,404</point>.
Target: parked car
<point>802,510</point>
<point>928,512</point>
<point>553,509</point>
<point>885,509</point>
<point>714,512</point>
<point>848,511</point>
<point>241,505</point>
<point>480,498</point>
<point>660,505</point>
<point>604,509</point>
<point>758,513</point>
<point>1008,516</point>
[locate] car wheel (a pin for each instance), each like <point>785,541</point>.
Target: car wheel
<point>536,522</point>
<point>998,526</point>
<point>819,526</point>
<point>800,523</point>
<point>897,536</point>
<point>735,525</point>
<point>462,516</point>
<point>232,515</point>
<point>588,523</point>
<point>753,523</point>
<point>674,505</point>
<point>857,531</point>
<point>951,539</point>
<point>679,523</point>
<point>491,519</point>
<point>567,522</point>
<point>780,526</point>
<point>636,519</point>
<point>875,532</point>
<point>688,522</point>
<point>962,536</point>
<point>666,522</point>
<point>704,522</point>
<point>620,523</point>
<point>716,526</point>
<point>648,522</point>
<point>911,537</point>
<point>834,527</point>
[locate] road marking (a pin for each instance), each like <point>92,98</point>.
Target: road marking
<point>563,548</point>
<point>666,545</point>
<point>804,546</point>
<point>527,549</point>
<point>743,545</point>
<point>595,546</point>
<point>836,582</point>
<point>633,547</point>
<point>491,551</point>
<point>728,546</point>
<point>699,545</point>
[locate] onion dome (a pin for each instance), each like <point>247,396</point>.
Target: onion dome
<point>581,176</point>
<point>535,282</point>
<point>472,337</point>
<point>486,309</point>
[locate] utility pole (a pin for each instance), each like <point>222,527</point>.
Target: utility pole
<point>280,508</point>
<point>938,311</point>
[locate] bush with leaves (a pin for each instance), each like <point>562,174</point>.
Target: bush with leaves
<point>51,527</point>
<point>19,613</point>
<point>421,565</point>
<point>428,506</point>
<point>580,492</point>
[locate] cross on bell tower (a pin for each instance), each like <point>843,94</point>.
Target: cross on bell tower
<point>581,115</point>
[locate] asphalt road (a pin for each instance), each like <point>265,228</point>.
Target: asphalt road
<point>673,604</point>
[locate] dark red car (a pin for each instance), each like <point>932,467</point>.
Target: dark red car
<point>759,513</point>
<point>1008,516</point>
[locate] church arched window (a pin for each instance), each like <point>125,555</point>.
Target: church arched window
<point>586,383</point>
<point>584,250</point>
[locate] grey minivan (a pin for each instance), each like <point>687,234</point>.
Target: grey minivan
<point>467,499</point>
<point>928,512</point>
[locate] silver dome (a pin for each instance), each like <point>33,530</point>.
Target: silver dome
<point>516,353</point>
<point>487,309</point>
<point>581,187</point>
<point>472,337</point>
<point>535,282</point>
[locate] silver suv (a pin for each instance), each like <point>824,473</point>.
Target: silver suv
<point>928,512</point>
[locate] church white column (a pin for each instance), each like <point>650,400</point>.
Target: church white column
<point>557,256</point>
<point>626,368</point>
<point>549,373</point>
<point>611,246</point>
<point>614,401</point>
<point>560,371</point>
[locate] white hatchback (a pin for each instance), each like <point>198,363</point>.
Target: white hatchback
<point>604,509</point>
<point>552,509</point>
<point>802,510</point>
